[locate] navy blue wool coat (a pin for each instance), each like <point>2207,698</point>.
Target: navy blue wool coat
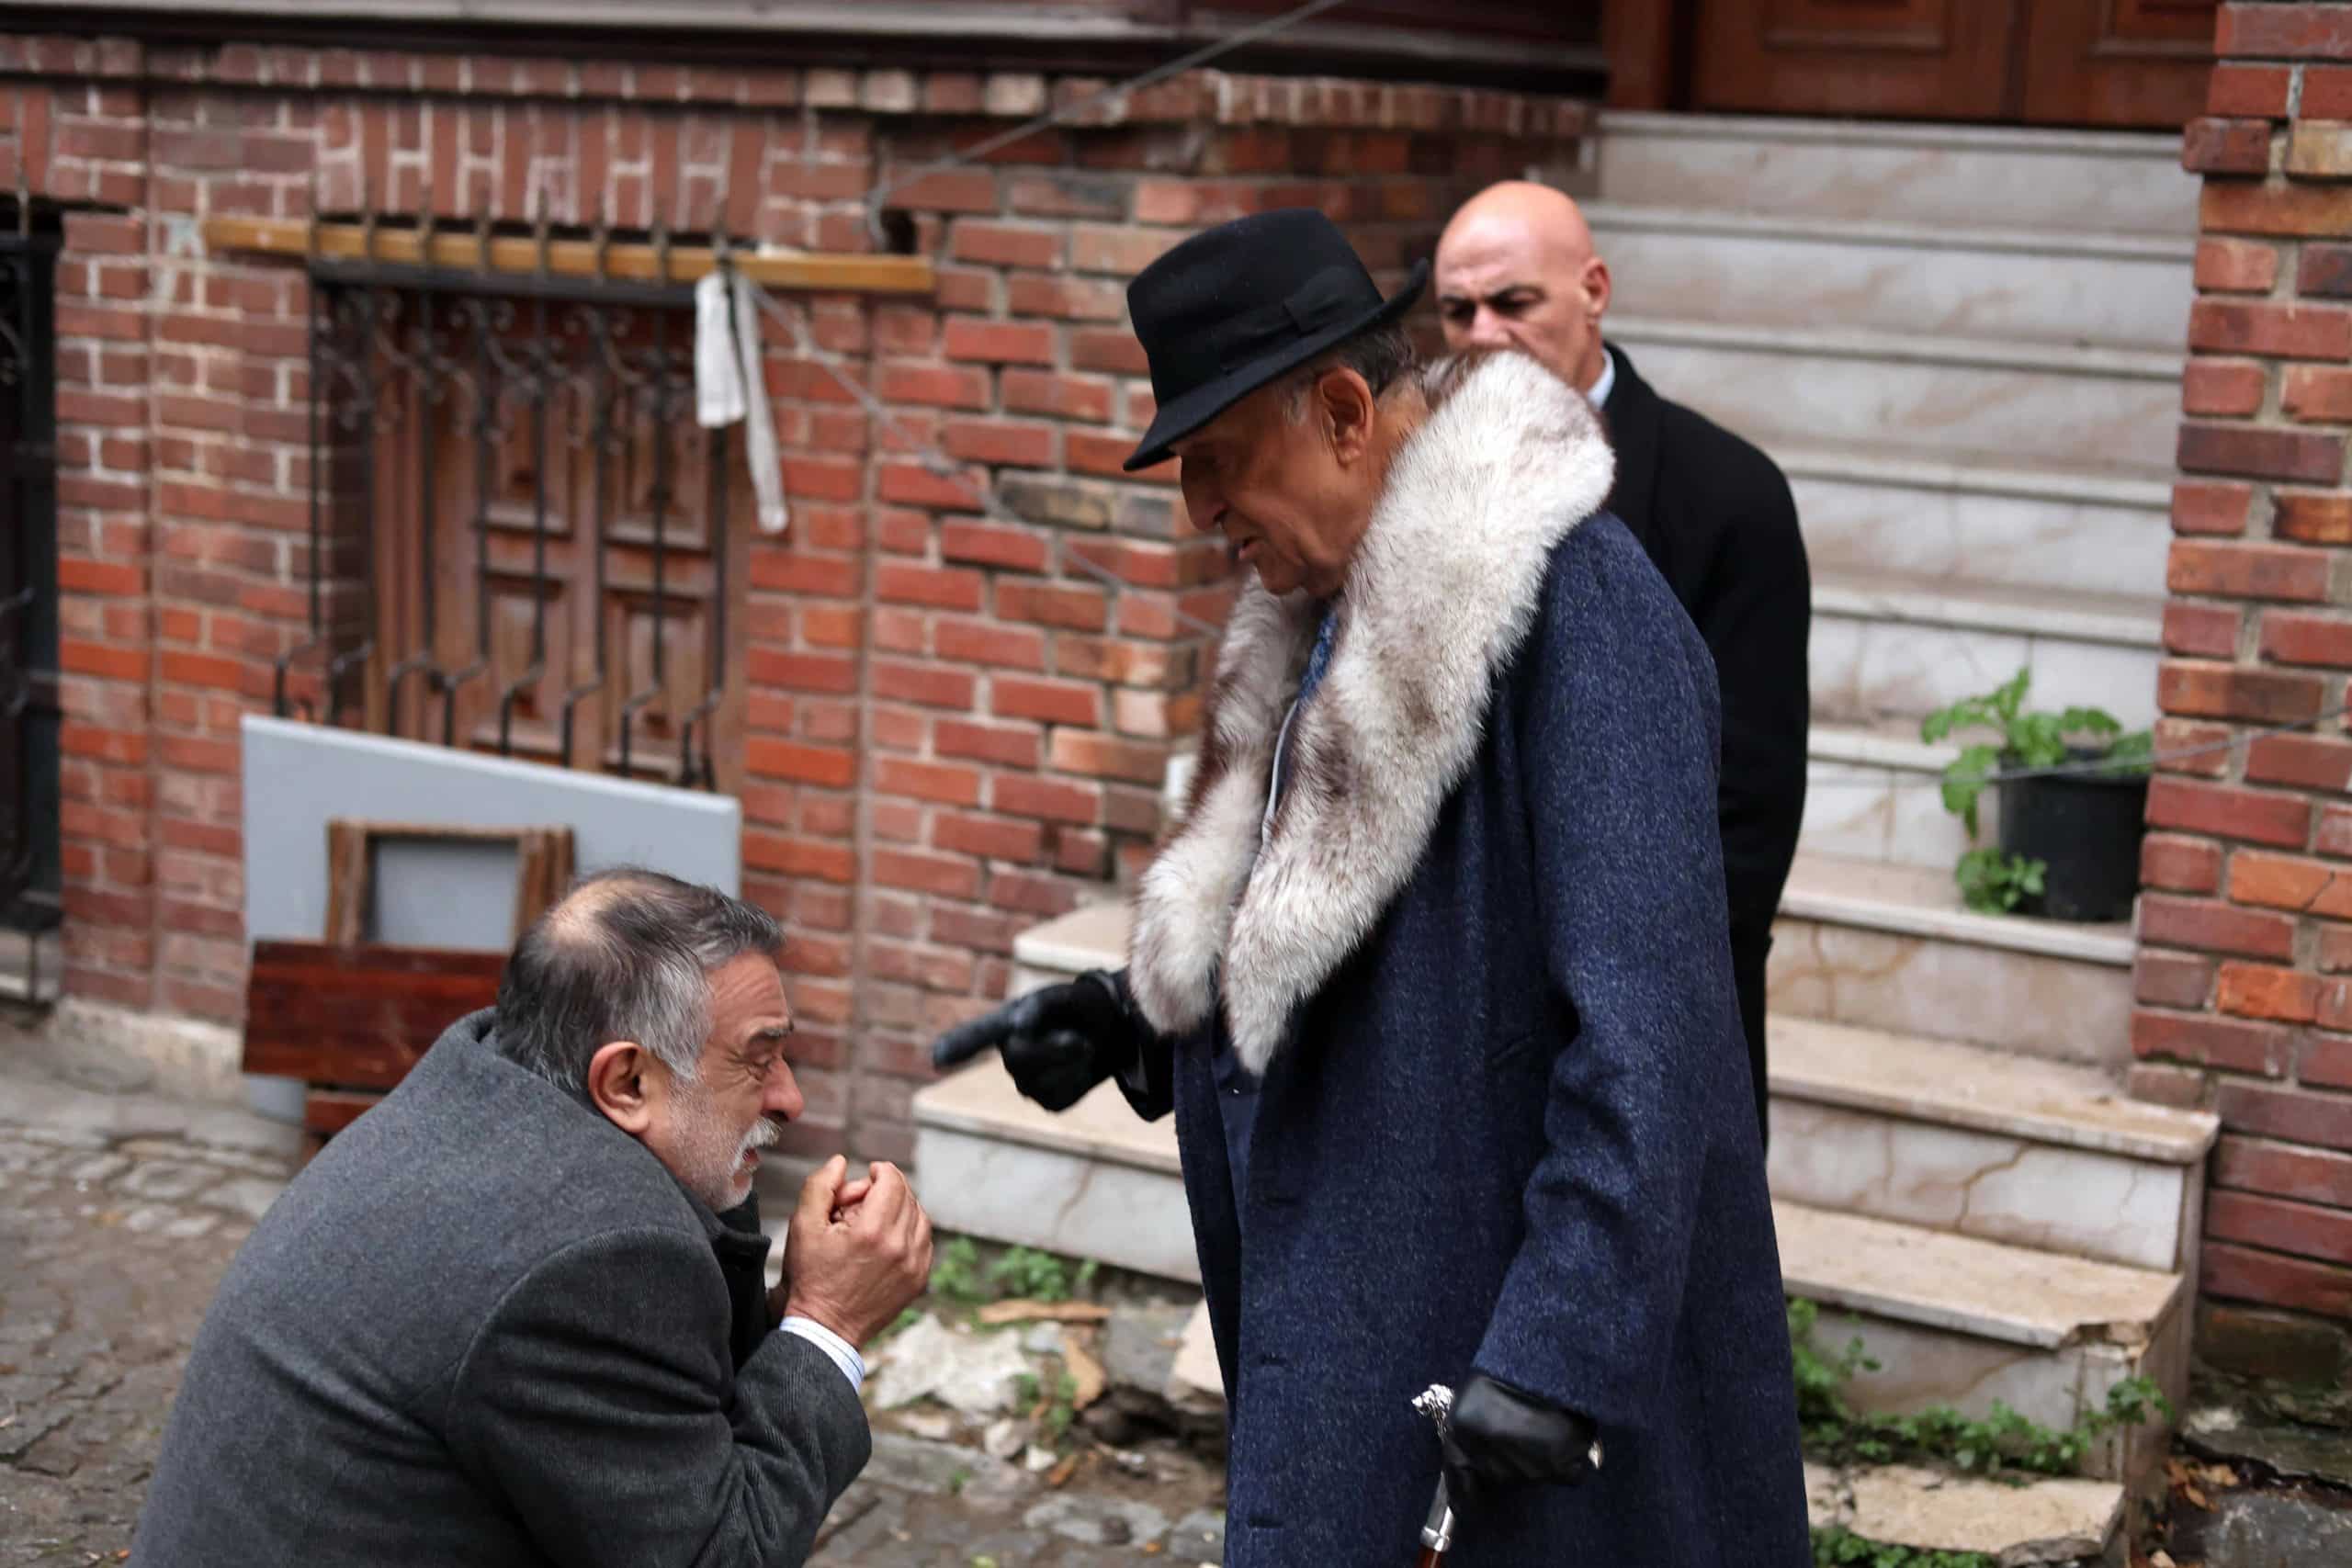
<point>1480,960</point>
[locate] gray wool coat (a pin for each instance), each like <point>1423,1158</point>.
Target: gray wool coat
<point>487,1326</point>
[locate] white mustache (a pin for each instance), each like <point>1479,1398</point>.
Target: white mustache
<point>763,1132</point>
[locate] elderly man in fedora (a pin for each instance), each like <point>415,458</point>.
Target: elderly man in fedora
<point>1436,977</point>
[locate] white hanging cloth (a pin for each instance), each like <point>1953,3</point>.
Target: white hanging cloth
<point>730,386</point>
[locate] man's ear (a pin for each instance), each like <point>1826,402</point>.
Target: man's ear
<point>619,1085</point>
<point>1596,287</point>
<point>1344,400</point>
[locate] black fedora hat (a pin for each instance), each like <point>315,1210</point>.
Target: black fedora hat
<point>1235,306</point>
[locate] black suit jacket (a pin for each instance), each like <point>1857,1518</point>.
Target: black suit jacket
<point>1717,518</point>
<point>486,1329</point>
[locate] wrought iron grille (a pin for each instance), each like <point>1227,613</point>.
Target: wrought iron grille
<point>31,879</point>
<point>520,540</point>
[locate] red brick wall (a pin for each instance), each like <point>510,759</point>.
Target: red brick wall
<point>2245,966</point>
<point>953,733</point>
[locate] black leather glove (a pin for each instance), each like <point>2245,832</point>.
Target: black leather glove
<point>1056,1043</point>
<point>1500,1438</point>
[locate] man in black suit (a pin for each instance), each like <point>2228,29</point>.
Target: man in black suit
<point>1517,267</point>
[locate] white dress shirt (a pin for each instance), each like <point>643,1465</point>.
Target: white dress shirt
<point>1598,394</point>
<point>840,1350</point>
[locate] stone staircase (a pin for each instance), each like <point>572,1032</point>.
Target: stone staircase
<point>1962,346</point>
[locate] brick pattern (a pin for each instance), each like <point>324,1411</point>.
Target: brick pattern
<point>954,726</point>
<point>2244,978</point>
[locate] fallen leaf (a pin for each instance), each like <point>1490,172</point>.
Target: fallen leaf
<point>1084,1371</point>
<point>1059,1475</point>
<point>1046,1312</point>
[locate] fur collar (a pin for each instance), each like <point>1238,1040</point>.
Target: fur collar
<point>1442,594</point>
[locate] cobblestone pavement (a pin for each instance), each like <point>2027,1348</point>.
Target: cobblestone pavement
<point>121,1210</point>
<point>118,1213</point>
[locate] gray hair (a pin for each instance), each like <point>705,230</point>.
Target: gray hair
<point>627,955</point>
<point>1383,355</point>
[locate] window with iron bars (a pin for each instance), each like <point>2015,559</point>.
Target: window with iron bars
<point>521,540</point>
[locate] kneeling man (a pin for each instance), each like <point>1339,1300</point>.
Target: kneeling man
<point>500,1319</point>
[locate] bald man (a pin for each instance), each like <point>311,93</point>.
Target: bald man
<point>1517,266</point>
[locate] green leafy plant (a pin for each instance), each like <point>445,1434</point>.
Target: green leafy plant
<point>1064,1409</point>
<point>1998,1441</point>
<point>1997,883</point>
<point>1029,1274</point>
<point>1837,1548</point>
<point>1990,881</point>
<point>956,1273</point>
<point>961,1276</point>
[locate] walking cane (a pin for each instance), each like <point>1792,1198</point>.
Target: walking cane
<point>1437,1535</point>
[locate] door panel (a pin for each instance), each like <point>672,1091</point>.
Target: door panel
<point>1933,59</point>
<point>2120,62</point>
<point>2090,62</point>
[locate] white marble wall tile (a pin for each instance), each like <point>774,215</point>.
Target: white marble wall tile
<point>2059,1008</point>
<point>2020,414</point>
<point>2019,185</point>
<point>1863,669</point>
<point>1856,526</point>
<point>1848,811</point>
<point>1924,833</point>
<point>1979,1184</point>
<point>2121,680</point>
<point>1761,278</point>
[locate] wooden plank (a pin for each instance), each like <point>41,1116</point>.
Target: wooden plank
<point>326,1111</point>
<point>347,881</point>
<point>820,272</point>
<point>542,867</point>
<point>358,1017</point>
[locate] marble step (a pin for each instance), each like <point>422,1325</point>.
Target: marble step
<point>2067,182</point>
<point>1868,509</point>
<point>1832,385</point>
<point>1858,941</point>
<point>1956,1320</point>
<point>1095,1181</point>
<point>2053,1519</point>
<point>1885,946</point>
<point>1772,269</point>
<point>2028,1100</point>
<point>1887,645</point>
<point>1972,1141</point>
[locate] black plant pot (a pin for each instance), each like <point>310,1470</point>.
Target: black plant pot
<point>2085,827</point>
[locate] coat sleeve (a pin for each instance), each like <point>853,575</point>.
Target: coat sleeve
<point>1617,748</point>
<point>1755,614</point>
<point>598,1401</point>
<point>1149,1081</point>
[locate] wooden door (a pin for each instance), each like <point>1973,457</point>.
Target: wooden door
<point>1929,59</point>
<point>2091,62</point>
<point>2120,62</point>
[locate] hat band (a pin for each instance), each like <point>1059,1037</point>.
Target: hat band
<point>1329,296</point>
